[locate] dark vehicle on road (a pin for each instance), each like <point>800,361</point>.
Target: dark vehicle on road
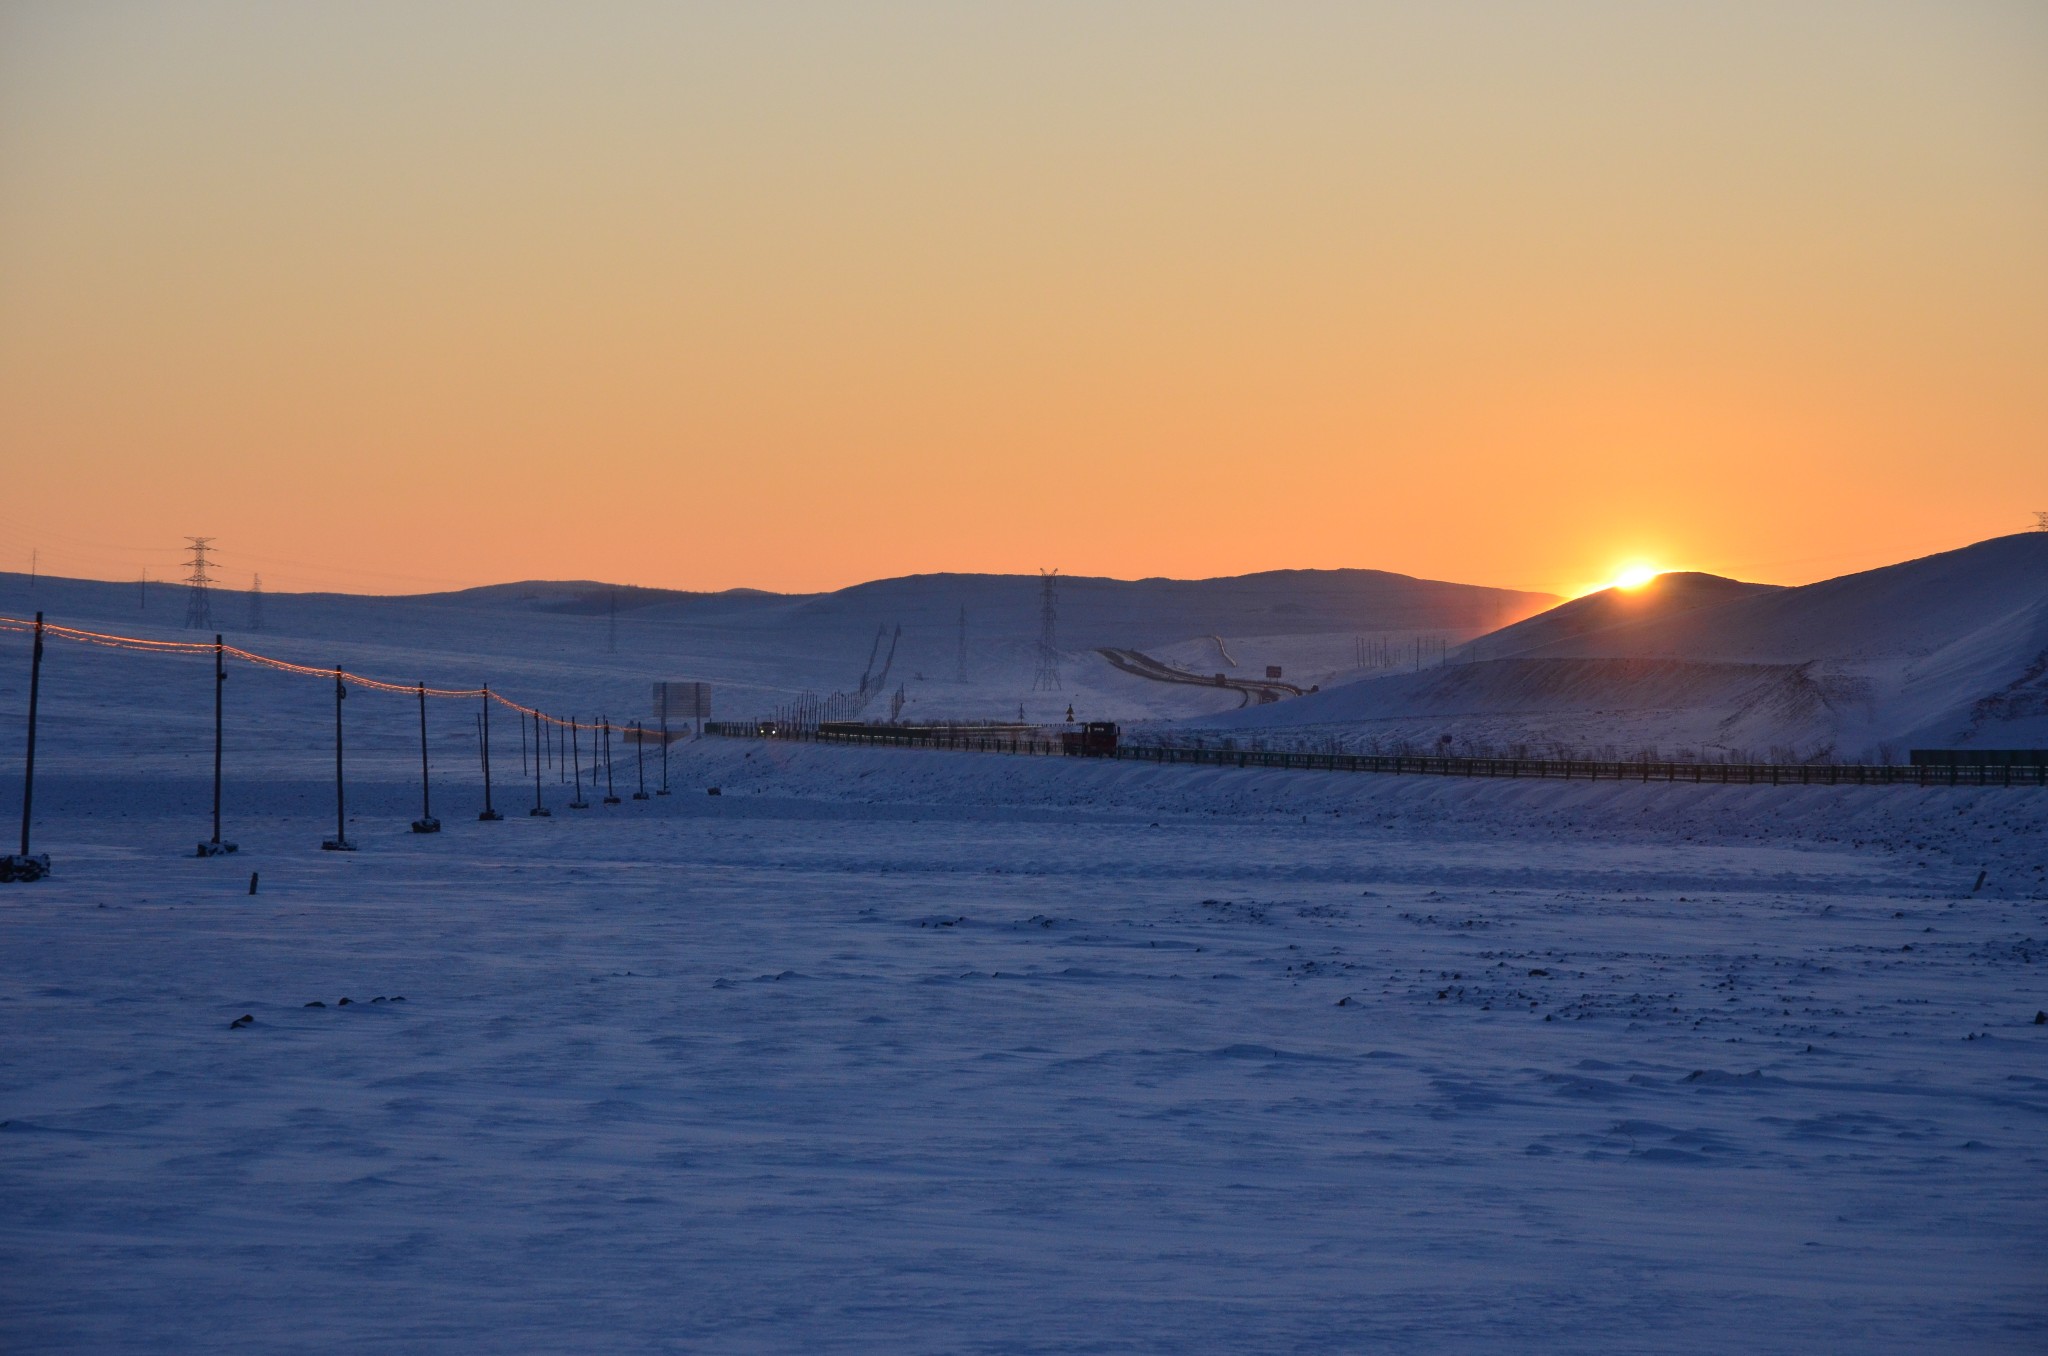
<point>1096,739</point>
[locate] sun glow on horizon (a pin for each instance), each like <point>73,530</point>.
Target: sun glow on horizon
<point>1635,576</point>
<point>916,258</point>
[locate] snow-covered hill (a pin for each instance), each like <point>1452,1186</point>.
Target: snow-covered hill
<point>1587,619</point>
<point>1951,649</point>
<point>588,647</point>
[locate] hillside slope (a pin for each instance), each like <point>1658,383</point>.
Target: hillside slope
<point>1950,649</point>
<point>1587,619</point>
<point>597,646</point>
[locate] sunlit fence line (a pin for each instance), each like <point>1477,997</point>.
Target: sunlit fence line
<point>549,734</point>
<point>1564,769</point>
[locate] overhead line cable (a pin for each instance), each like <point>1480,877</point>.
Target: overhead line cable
<point>146,645</point>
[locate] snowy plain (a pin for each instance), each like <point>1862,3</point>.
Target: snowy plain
<point>912,1051</point>
<point>900,1050</point>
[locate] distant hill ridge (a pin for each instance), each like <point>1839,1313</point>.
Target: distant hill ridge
<point>1665,596</point>
<point>900,636</point>
<point>1912,608</point>
<point>1093,610</point>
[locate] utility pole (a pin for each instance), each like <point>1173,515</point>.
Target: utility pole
<point>611,797</point>
<point>215,847</point>
<point>576,753</point>
<point>26,866</point>
<point>484,742</point>
<point>663,689</point>
<point>426,823</point>
<point>339,843</point>
<point>198,602</point>
<point>538,809</point>
<point>35,689</point>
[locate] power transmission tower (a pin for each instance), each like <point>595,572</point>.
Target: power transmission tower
<point>1047,678</point>
<point>142,592</point>
<point>2041,520</point>
<point>255,602</point>
<point>198,602</point>
<point>611,625</point>
<point>960,669</point>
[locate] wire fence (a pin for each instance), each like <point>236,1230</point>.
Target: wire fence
<point>1566,769</point>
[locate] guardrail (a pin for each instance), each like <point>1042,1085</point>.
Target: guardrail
<point>1568,769</point>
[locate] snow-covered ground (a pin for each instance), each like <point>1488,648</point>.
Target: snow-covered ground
<point>906,1051</point>
<point>897,1050</point>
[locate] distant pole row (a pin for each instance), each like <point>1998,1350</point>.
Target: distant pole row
<point>27,865</point>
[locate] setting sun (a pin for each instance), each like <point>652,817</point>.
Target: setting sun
<point>1635,576</point>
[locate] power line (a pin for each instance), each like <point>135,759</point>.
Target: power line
<point>147,645</point>
<point>198,601</point>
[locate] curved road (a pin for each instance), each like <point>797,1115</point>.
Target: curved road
<point>1256,690</point>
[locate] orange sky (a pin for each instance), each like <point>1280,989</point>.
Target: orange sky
<point>396,296</point>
